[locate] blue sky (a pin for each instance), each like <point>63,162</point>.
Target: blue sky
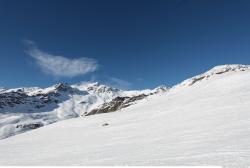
<point>132,44</point>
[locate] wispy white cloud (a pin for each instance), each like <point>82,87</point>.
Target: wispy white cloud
<point>60,66</point>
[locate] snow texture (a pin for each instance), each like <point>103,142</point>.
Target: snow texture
<point>24,109</point>
<point>198,122</point>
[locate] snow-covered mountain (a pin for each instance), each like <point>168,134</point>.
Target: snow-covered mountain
<point>24,109</point>
<point>204,120</point>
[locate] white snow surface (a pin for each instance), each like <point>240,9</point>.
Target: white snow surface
<point>74,101</point>
<point>206,122</point>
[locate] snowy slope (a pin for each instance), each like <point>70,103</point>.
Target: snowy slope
<point>24,109</point>
<point>198,122</point>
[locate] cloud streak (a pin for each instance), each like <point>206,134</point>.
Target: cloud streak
<point>60,66</point>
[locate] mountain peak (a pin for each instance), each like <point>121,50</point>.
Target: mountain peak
<point>161,89</point>
<point>62,87</point>
<point>98,87</point>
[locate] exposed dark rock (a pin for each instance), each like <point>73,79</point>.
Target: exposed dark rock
<point>116,104</point>
<point>15,98</point>
<point>38,100</point>
<point>63,87</point>
<point>221,72</point>
<point>12,98</point>
<point>105,124</point>
<point>30,126</point>
<point>216,71</point>
<point>197,79</point>
<point>97,87</point>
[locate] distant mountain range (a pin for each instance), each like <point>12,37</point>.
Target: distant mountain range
<point>204,120</point>
<point>23,109</point>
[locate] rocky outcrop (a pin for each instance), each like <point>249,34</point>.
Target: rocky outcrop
<point>218,70</point>
<point>121,102</point>
<point>116,104</point>
<point>98,88</point>
<point>13,98</point>
<point>29,126</point>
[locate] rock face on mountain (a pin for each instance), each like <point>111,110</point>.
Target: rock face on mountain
<point>215,71</point>
<point>116,104</point>
<point>120,102</point>
<point>23,109</point>
<point>32,99</point>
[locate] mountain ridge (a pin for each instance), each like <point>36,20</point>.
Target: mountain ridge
<point>206,123</point>
<point>24,109</point>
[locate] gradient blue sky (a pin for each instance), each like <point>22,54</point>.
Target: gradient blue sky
<point>135,44</point>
